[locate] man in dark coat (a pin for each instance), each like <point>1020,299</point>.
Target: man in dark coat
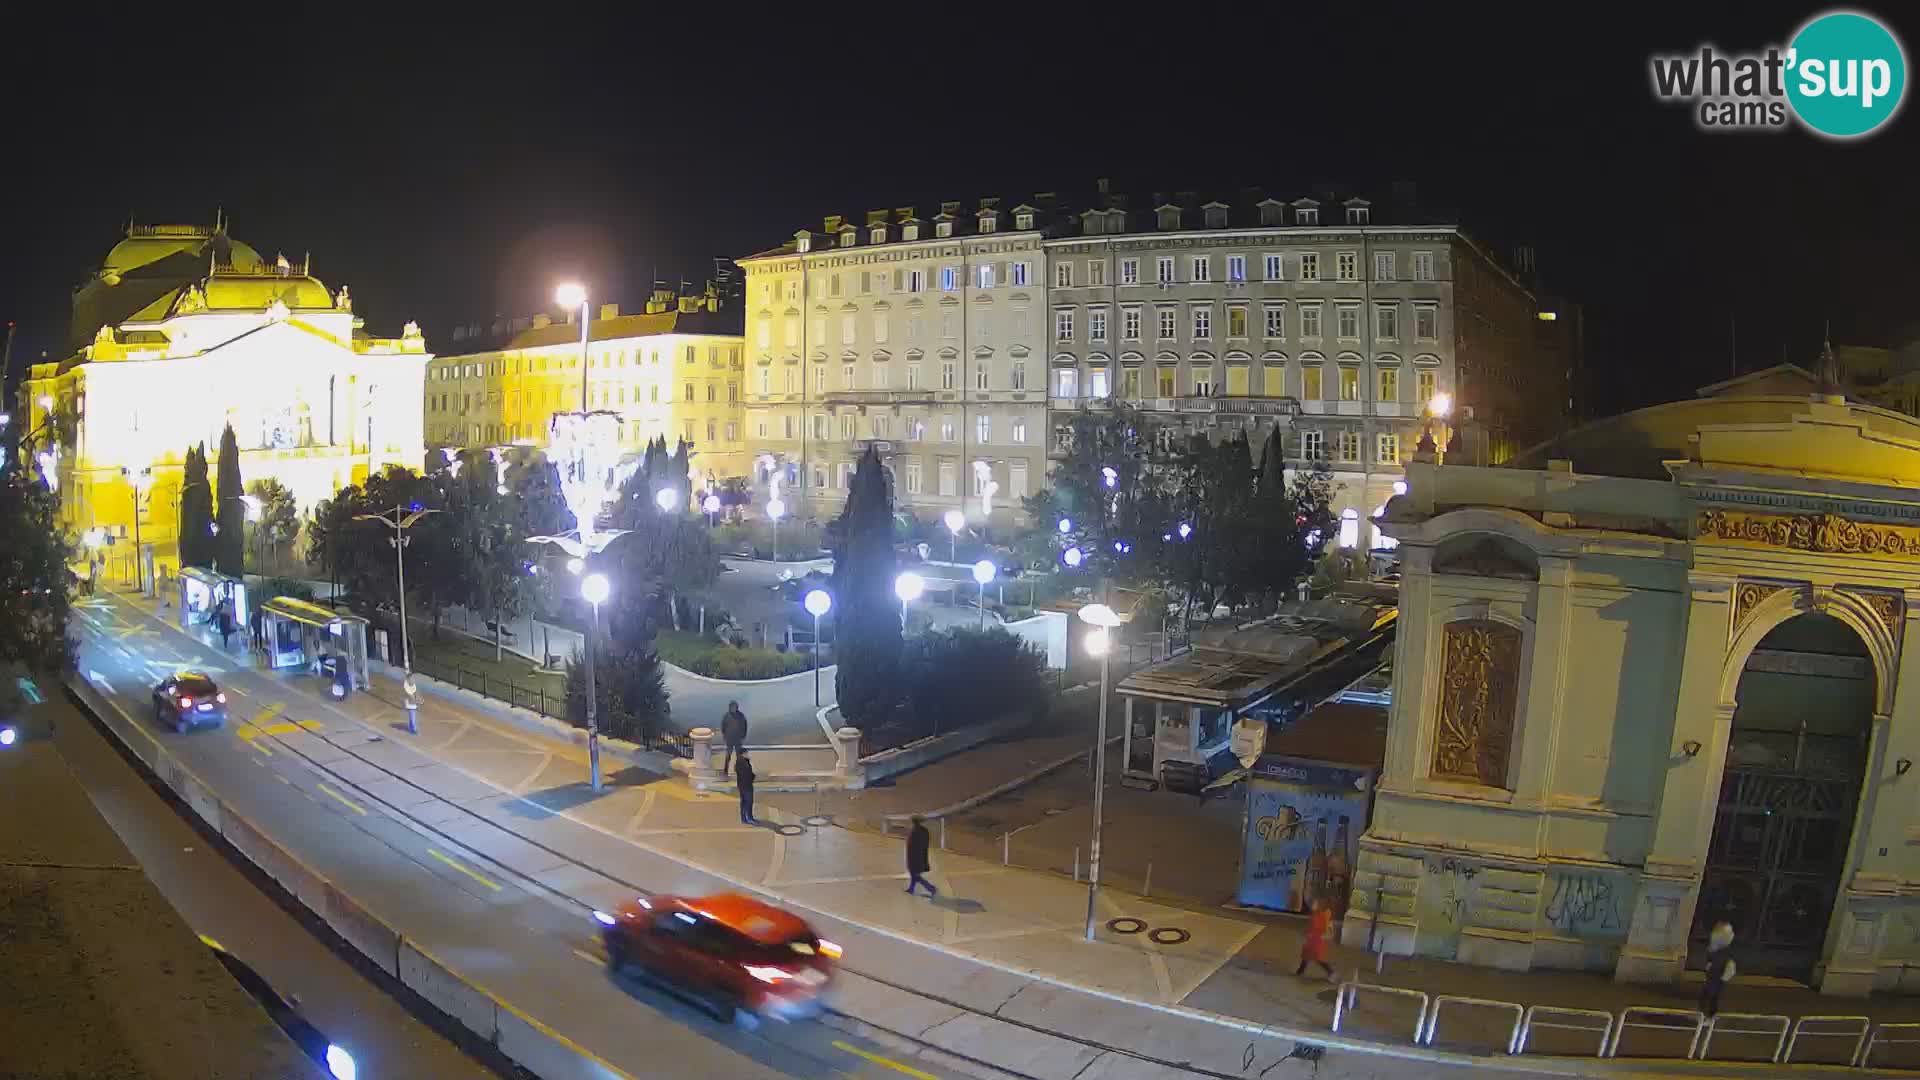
<point>733,729</point>
<point>918,841</point>
<point>743,776</point>
<point>1720,967</point>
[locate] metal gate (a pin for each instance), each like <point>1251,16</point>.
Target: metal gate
<point>1779,845</point>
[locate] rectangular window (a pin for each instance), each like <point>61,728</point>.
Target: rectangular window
<point>847,336</point>
<point>983,429</point>
<point>1424,386</point>
<point>880,376</point>
<point>1017,478</point>
<point>1017,373</point>
<point>946,324</point>
<point>1066,383</point>
<point>981,478</point>
<point>1349,445</point>
<point>916,281</point>
<point>981,371</point>
<point>947,380</point>
<point>1165,270</point>
<point>914,478</point>
<point>983,275</point>
<point>1383,266</point>
<point>1386,322</point>
<point>1097,324</point>
<point>1276,322</point>
<point>819,380</point>
<point>1169,324</point>
<point>786,427</point>
<point>913,376</point>
<point>1347,266</point>
<point>1097,383</point>
<point>1019,273</point>
<point>949,481</point>
<point>949,278</point>
<point>760,428</point>
<point>1347,321</point>
<point>733,431</point>
<point>1426,322</point>
<point>833,284</point>
<point>880,328</point>
<point>1273,380</point>
<point>847,431</point>
<point>1203,382</point>
<point>848,381</point>
<point>1164,381</point>
<point>1129,271</point>
<point>1309,266</point>
<point>1130,383</point>
<point>947,431</point>
<point>916,429</point>
<point>1063,274</point>
<point>791,380</point>
<point>820,331</point>
<point>1271,271</point>
<point>1236,321</point>
<point>1236,268</point>
<point>1202,268</point>
<point>1387,448</point>
<point>1096,271</point>
<point>1423,266</point>
<point>712,389</point>
<point>1313,445</point>
<point>1349,383</point>
<point>763,334</point>
<point>689,396</point>
<point>1063,325</point>
<point>1130,324</point>
<point>1202,324</point>
<point>1389,384</point>
<point>713,430</point>
<point>819,428</point>
<point>1310,321</point>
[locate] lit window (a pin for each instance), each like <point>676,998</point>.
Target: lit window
<point>1349,383</point>
<point>1019,273</point>
<point>1389,384</point>
<point>1387,448</point>
<point>1129,271</point>
<point>1236,322</point>
<point>1349,445</point>
<point>984,275</point>
<point>1347,266</point>
<point>1424,386</point>
<point>1236,268</point>
<point>983,429</point>
<point>949,278</point>
<point>1096,271</point>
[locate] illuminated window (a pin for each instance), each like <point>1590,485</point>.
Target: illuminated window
<point>1389,384</point>
<point>1271,267</point>
<point>1129,271</point>
<point>1424,387</point>
<point>1019,272</point>
<point>983,275</point>
<point>1309,265</point>
<point>949,278</point>
<point>1387,448</point>
<point>1164,380</point>
<point>1203,381</point>
<point>1130,383</point>
<point>983,429</point>
<point>947,430</point>
<point>1349,445</point>
<point>1236,268</point>
<point>1096,386</point>
<point>1066,383</point>
<point>1349,382</point>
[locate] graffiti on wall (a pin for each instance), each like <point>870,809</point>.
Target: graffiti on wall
<point>1585,904</point>
<point>1441,905</point>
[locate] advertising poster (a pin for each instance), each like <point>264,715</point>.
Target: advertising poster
<point>1304,821</point>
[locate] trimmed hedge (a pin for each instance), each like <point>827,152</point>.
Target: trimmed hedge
<point>704,656</point>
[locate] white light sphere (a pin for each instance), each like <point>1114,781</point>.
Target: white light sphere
<point>908,587</point>
<point>776,510</point>
<point>594,588</point>
<point>984,570</point>
<point>955,521</point>
<point>711,505</point>
<point>666,499</point>
<point>818,603</point>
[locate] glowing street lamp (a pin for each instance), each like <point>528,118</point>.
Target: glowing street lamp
<point>955,521</point>
<point>400,540</point>
<point>142,484</point>
<point>1066,526</point>
<point>775,511</point>
<point>711,504</point>
<point>983,572</point>
<point>594,589</point>
<point>907,587</point>
<point>666,499</point>
<point>818,603</point>
<point>1099,643</point>
<point>1073,557</point>
<point>1441,404</point>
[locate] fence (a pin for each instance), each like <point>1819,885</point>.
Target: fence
<point>1768,1038</point>
<point>534,697</point>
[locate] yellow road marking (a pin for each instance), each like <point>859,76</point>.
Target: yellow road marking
<point>343,800</point>
<point>457,866</point>
<point>249,741</point>
<point>268,712</point>
<point>886,1062</point>
<point>587,956</point>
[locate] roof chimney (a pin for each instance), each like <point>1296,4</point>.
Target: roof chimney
<point>542,321</point>
<point>609,311</point>
<point>832,223</point>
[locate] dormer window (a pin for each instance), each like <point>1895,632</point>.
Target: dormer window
<point>1306,215</point>
<point>1272,213</point>
<point>989,222</point>
<point>849,237</point>
<point>1169,217</point>
<point>1023,222</point>
<point>1216,216</point>
<point>877,234</point>
<point>1093,222</point>
<point>910,231</point>
<point>1359,215</point>
<point>802,242</point>
<point>943,228</point>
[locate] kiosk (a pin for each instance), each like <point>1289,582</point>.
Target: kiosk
<point>201,592</point>
<point>304,635</point>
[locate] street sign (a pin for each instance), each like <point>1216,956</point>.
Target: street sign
<point>1249,740</point>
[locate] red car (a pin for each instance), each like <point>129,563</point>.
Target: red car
<point>726,952</point>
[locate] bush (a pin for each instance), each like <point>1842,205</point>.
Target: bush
<point>705,656</point>
<point>967,676</point>
<point>631,699</point>
<point>281,586</point>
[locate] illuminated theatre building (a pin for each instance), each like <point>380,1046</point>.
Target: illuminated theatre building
<point>185,330</point>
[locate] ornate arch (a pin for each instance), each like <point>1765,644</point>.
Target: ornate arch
<point>1875,627</point>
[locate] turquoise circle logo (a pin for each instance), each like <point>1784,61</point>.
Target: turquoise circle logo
<point>1846,74</point>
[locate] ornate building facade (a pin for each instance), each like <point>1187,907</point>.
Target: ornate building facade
<point>674,370</point>
<point>1650,678</point>
<point>184,331</point>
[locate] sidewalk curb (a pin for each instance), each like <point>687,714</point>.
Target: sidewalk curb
<point>507,1028</point>
<point>996,791</point>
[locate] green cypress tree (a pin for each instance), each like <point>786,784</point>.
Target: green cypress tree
<point>196,511</point>
<point>230,544</point>
<point>866,613</point>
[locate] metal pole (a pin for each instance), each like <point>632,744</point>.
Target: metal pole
<point>1099,785</point>
<point>139,570</point>
<point>816,661</point>
<point>593,727</point>
<point>400,571</point>
<point>583,395</point>
<point>983,605</point>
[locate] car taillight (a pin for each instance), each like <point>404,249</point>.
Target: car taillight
<point>829,950</point>
<point>186,702</point>
<point>221,698</point>
<point>769,974</point>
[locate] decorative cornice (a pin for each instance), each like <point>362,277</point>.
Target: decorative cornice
<point>1818,533</point>
<point>1749,596</point>
<point>1889,607</point>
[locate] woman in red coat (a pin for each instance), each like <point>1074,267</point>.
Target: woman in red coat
<point>1313,948</point>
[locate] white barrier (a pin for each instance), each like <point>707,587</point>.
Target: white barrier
<point>1762,1024</point>
<point>1565,1020</point>
<point>1345,997</point>
<point>1433,1017</point>
<point>1911,1033</point>
<point>1855,1029</point>
<point>1694,1019</point>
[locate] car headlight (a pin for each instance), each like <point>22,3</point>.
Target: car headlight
<point>340,1063</point>
<point>9,736</point>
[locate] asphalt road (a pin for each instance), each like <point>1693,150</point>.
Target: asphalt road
<point>508,933</point>
<point>338,993</point>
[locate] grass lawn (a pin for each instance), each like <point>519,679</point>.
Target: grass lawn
<point>704,656</point>
<point>474,661</point>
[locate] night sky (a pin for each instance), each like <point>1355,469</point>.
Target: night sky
<point>448,170</point>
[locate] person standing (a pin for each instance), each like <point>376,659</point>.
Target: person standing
<point>918,841</point>
<point>223,621</point>
<point>733,729</point>
<point>1313,948</point>
<point>743,776</point>
<point>1720,967</point>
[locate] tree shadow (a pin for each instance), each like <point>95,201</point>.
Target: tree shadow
<point>958,904</point>
<point>547,802</point>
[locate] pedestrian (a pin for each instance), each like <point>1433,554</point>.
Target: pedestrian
<point>223,620</point>
<point>918,841</point>
<point>1313,948</point>
<point>743,775</point>
<point>1720,967</point>
<point>733,728</point>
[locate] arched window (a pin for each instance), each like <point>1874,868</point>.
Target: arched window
<point>1349,528</point>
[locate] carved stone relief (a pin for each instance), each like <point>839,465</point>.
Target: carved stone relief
<point>1890,608</point>
<point>1479,683</point>
<point>1825,533</point>
<point>1749,596</point>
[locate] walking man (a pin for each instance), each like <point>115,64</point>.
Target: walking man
<point>1313,948</point>
<point>733,728</point>
<point>743,776</point>
<point>223,621</point>
<point>918,840</point>
<point>1720,967</point>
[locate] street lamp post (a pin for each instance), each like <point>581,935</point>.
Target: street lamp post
<point>775,511</point>
<point>955,522</point>
<point>983,572</point>
<point>711,504</point>
<point>907,587</point>
<point>1100,643</point>
<point>818,604</point>
<point>575,295</point>
<point>400,540</point>
<point>666,499</point>
<point>142,483</point>
<point>593,589</point>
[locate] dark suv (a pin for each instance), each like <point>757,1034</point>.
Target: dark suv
<point>188,700</point>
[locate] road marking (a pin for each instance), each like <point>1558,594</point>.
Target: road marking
<point>282,779</point>
<point>28,688</point>
<point>457,866</point>
<point>268,712</point>
<point>885,1062</point>
<point>588,957</point>
<point>237,690</point>
<point>95,677</point>
<point>343,800</point>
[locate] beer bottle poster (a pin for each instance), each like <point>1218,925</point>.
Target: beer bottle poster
<point>1295,826</point>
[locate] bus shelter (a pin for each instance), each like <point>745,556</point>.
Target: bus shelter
<point>202,592</point>
<point>301,634</point>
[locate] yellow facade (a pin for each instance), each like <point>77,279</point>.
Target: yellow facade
<point>184,331</point>
<point>670,372</point>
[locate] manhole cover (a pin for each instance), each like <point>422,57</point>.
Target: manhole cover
<point>1168,935</point>
<point>790,830</point>
<point>1126,925</point>
<point>817,821</point>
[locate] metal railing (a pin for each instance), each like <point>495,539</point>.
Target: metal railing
<point>1903,1035</point>
<point>1347,996</point>
<point>1433,1017</point>
<point>534,698</point>
<point>1849,1027</point>
<point>1761,1025</point>
<point>1560,1019</point>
